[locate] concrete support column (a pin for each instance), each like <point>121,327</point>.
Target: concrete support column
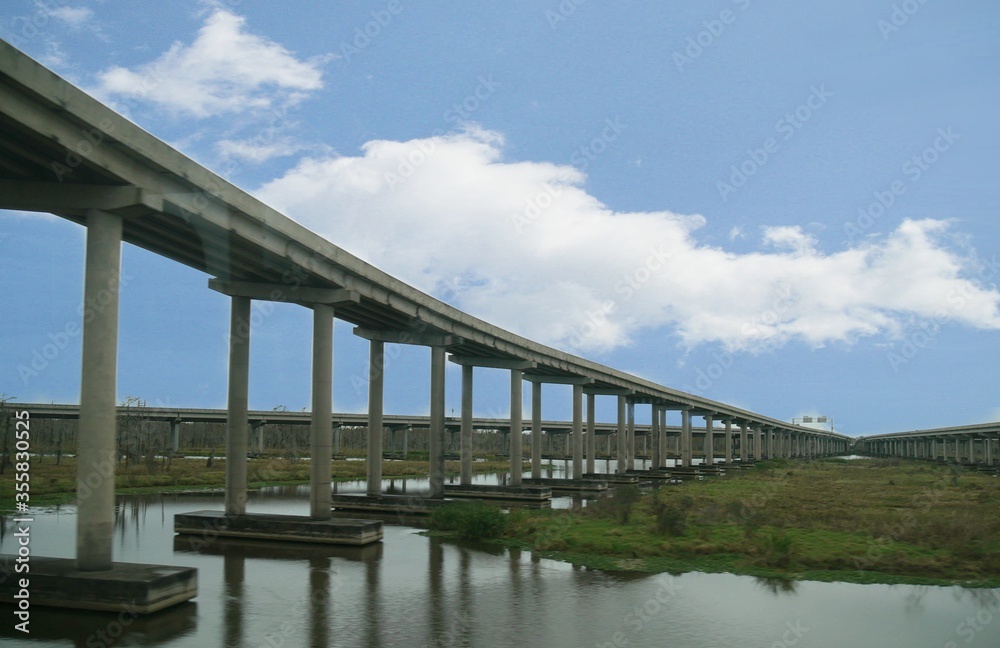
<point>654,431</point>
<point>98,391</point>
<point>258,439</point>
<point>536,430</point>
<point>958,449</point>
<point>175,436</point>
<point>988,450</point>
<point>686,443</point>
<point>238,420</point>
<point>437,422</point>
<point>743,443</point>
<point>663,438</point>
<point>376,367</point>
<point>729,441</point>
<point>322,413</point>
<point>577,431</point>
<point>622,450</point>
<point>631,436</point>
<point>466,477</point>
<point>591,438</point>
<point>516,425</point>
<point>709,441</point>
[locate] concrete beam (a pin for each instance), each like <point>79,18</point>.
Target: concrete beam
<point>406,337</point>
<point>285,293</point>
<point>76,199</point>
<point>607,391</point>
<point>492,363</point>
<point>559,380</point>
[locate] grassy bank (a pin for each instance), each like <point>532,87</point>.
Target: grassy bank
<point>54,484</point>
<point>858,521</point>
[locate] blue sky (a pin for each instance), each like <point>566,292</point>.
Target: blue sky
<point>785,206</point>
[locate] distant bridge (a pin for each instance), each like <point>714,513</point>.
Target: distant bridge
<point>961,444</point>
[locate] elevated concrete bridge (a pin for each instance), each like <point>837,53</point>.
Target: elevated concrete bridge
<point>970,444</point>
<point>66,154</point>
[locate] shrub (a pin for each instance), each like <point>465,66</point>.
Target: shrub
<point>618,505</point>
<point>671,516</point>
<point>776,549</point>
<point>470,520</point>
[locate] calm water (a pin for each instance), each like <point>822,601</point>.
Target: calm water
<point>414,591</point>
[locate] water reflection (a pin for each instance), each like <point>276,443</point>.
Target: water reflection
<point>412,590</point>
<point>84,629</point>
<point>777,586</point>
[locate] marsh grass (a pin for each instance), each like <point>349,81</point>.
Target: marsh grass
<point>832,520</point>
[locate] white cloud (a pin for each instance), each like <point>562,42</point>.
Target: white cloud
<point>74,16</point>
<point>257,151</point>
<point>226,70</point>
<point>523,245</point>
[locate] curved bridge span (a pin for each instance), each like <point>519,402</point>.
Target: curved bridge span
<point>66,154</point>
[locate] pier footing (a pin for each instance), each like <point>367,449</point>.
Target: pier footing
<point>269,526</point>
<point>506,493</point>
<point>128,587</point>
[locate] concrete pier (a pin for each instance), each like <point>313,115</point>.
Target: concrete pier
<point>376,369</point>
<point>466,431</point>
<point>436,444</point>
<point>686,440</point>
<point>97,448</point>
<point>728,439</point>
<point>536,430</point>
<point>237,425</point>
<point>654,420</point>
<point>577,431</point>
<point>630,436</point>
<point>321,434</point>
<point>622,449</point>
<point>591,434</point>
<point>709,444</point>
<point>516,425</point>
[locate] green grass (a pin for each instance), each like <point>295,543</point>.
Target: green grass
<point>860,521</point>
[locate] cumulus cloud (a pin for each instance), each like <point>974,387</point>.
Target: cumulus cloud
<point>523,245</point>
<point>225,70</point>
